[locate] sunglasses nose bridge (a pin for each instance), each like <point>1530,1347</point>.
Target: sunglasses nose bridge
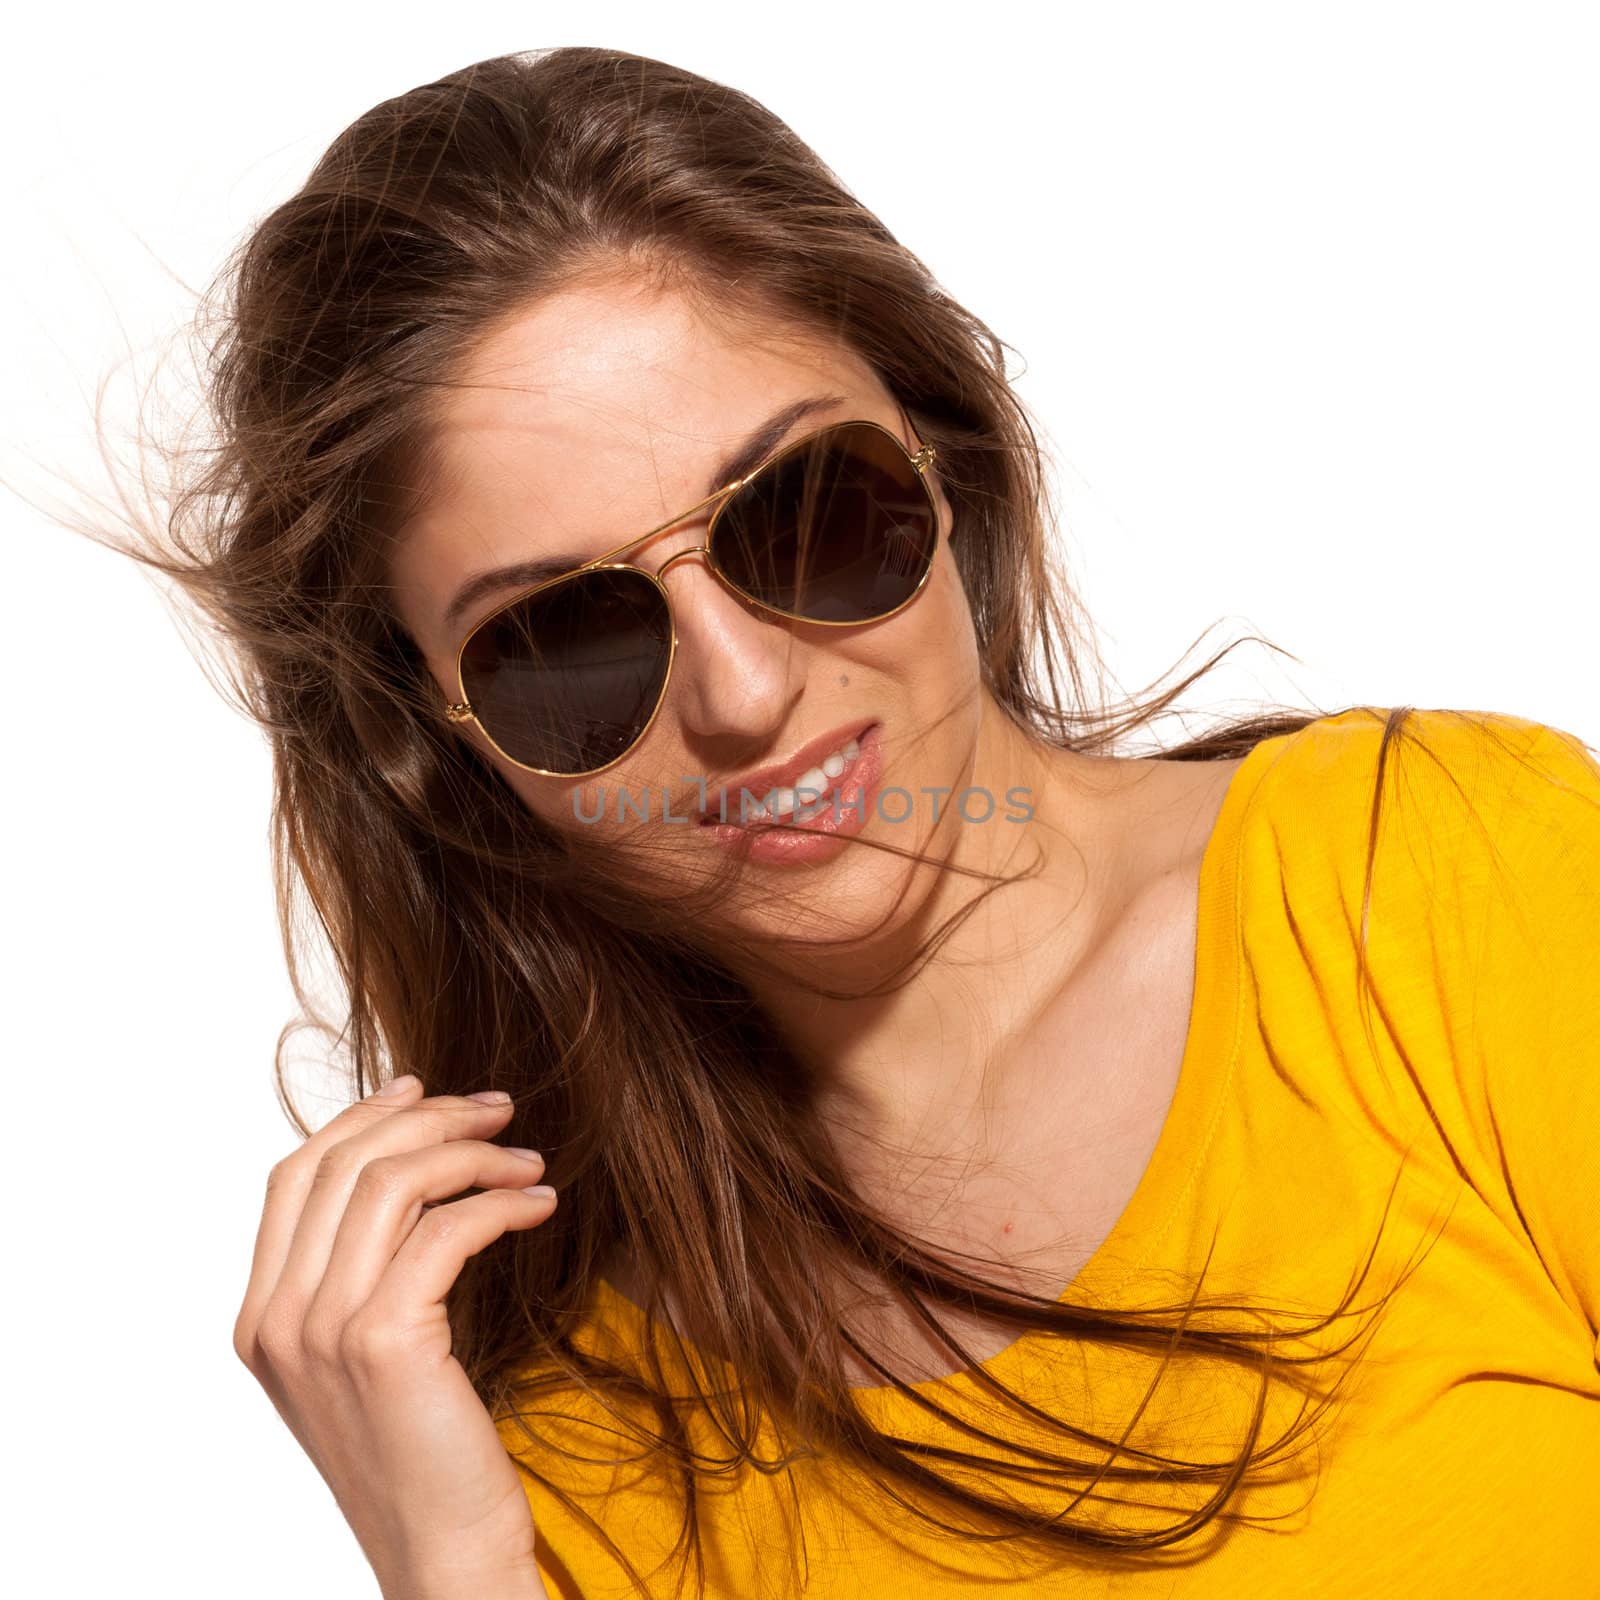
<point>678,555</point>
<point>748,601</point>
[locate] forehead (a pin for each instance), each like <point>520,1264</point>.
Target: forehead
<point>594,416</point>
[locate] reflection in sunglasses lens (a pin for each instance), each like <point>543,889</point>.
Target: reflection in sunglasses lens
<point>565,680</point>
<point>841,529</point>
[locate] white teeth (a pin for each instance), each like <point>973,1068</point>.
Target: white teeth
<point>810,791</point>
<point>812,784</point>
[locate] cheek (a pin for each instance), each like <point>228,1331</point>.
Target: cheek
<point>586,812</point>
<point>550,802</point>
<point>937,642</point>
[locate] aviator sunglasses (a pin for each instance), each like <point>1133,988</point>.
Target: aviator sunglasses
<point>837,528</point>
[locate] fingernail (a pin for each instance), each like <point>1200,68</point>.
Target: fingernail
<point>491,1097</point>
<point>517,1150</point>
<point>541,1191</point>
<point>396,1086</point>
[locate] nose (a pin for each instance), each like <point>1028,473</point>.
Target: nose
<point>737,668</point>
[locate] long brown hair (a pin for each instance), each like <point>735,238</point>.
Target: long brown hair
<point>472,947</point>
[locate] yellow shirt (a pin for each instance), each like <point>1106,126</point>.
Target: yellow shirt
<point>1465,1457</point>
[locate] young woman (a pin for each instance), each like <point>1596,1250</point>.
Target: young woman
<point>682,738</point>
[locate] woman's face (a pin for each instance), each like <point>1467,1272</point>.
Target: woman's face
<point>590,420</point>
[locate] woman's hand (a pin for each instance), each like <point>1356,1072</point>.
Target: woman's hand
<point>344,1326</point>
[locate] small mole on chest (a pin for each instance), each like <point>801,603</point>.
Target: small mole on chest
<point>1008,1227</point>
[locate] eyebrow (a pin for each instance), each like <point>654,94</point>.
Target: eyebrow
<point>749,455</point>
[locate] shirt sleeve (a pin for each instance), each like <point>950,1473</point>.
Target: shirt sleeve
<point>1535,993</point>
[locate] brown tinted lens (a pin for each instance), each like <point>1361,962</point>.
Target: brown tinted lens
<point>842,528</point>
<point>567,679</point>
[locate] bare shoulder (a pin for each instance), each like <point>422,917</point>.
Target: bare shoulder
<point>1123,1017</point>
<point>1160,814</point>
<point>1165,817</point>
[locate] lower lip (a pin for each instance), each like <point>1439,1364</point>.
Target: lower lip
<point>844,811</point>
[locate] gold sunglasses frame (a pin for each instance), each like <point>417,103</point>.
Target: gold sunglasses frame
<point>921,459</point>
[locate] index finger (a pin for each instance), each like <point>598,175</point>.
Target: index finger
<point>280,1211</point>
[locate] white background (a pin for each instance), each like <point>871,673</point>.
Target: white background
<point>1303,297</point>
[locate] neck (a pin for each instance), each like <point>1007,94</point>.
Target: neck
<point>914,1066</point>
